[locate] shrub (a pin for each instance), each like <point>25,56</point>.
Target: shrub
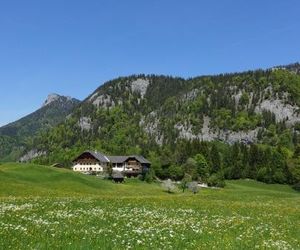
<point>168,186</point>
<point>216,181</point>
<point>262,175</point>
<point>202,166</point>
<point>184,182</point>
<point>297,186</point>
<point>150,176</point>
<point>141,177</point>
<point>279,177</point>
<point>194,187</point>
<point>175,172</point>
<point>190,167</point>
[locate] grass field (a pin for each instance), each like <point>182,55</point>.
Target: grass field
<point>48,208</point>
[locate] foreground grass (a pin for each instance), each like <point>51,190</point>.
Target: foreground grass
<point>43,208</point>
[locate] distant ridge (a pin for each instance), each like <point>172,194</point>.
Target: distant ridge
<point>53,111</point>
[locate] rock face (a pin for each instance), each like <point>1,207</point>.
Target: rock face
<point>55,98</point>
<point>140,86</point>
<point>152,128</point>
<point>34,153</point>
<point>103,101</point>
<point>85,123</point>
<point>282,111</point>
<point>51,98</point>
<point>191,95</point>
<point>208,134</point>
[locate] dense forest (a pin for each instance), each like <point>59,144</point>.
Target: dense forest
<point>228,126</point>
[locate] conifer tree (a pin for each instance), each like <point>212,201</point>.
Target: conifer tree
<point>215,159</point>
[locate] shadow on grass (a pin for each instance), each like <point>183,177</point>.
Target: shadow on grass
<point>168,192</point>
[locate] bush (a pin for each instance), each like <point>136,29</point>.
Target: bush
<point>263,175</point>
<point>194,187</point>
<point>185,181</point>
<point>279,177</point>
<point>175,172</point>
<point>216,181</point>
<point>141,177</point>
<point>297,186</point>
<point>150,176</point>
<point>168,186</point>
<point>202,167</point>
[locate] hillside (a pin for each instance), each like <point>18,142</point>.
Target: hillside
<point>14,136</point>
<point>53,208</point>
<point>29,180</point>
<point>238,125</point>
<point>243,125</point>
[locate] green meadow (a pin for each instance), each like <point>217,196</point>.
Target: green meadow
<point>49,208</point>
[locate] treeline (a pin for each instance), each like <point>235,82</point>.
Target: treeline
<point>213,162</point>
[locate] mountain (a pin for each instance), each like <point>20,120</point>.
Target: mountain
<point>229,107</point>
<point>243,125</point>
<point>15,135</point>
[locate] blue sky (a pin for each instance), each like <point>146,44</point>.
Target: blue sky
<point>72,47</point>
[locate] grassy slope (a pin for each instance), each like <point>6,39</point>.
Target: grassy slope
<point>244,215</point>
<point>34,180</point>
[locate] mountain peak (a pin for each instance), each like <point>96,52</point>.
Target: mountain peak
<point>51,98</point>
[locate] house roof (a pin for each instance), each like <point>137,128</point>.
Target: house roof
<point>115,159</point>
<point>142,159</point>
<point>100,157</point>
<point>121,159</point>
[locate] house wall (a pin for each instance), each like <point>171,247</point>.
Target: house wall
<point>118,167</point>
<point>87,167</point>
<point>132,165</point>
<point>128,167</point>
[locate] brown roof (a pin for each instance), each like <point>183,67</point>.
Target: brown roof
<point>121,159</point>
<point>115,159</point>
<point>100,157</point>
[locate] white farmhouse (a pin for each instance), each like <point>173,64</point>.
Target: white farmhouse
<point>93,161</point>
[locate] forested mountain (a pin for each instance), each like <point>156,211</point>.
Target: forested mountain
<point>238,125</point>
<point>15,136</point>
